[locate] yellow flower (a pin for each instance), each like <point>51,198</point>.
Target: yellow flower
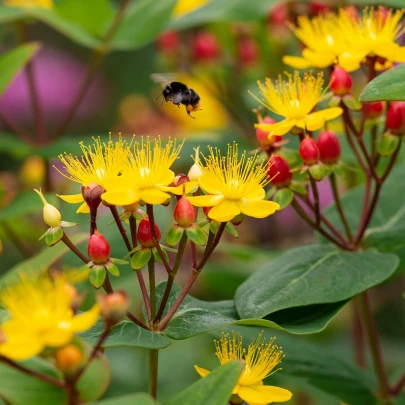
<point>29,3</point>
<point>234,185</point>
<point>294,99</point>
<point>146,175</point>
<point>99,162</point>
<point>40,316</point>
<point>260,358</point>
<point>186,6</point>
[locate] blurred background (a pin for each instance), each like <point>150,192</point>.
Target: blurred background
<point>220,53</point>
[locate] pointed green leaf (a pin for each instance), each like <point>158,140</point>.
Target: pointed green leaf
<point>44,234</point>
<point>387,143</point>
<point>157,256</point>
<point>230,229</point>
<point>168,249</point>
<point>214,389</point>
<point>196,235</point>
<point>270,192</point>
<point>284,197</point>
<point>97,276</point>
<point>54,236</point>
<point>214,226</point>
<point>141,258</point>
<point>118,261</point>
<point>135,249</point>
<point>85,267</point>
<point>174,235</point>
<point>112,269</point>
<point>298,188</point>
<point>65,224</point>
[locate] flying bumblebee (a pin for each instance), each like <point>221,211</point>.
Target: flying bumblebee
<point>177,93</point>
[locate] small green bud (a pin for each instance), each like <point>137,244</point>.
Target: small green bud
<point>52,216</point>
<point>317,171</point>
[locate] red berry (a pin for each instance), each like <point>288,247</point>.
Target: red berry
<point>206,210</point>
<point>145,235</point>
<point>263,136</point>
<point>279,171</point>
<point>340,82</point>
<point>329,147</point>
<point>396,117</point>
<point>168,41</point>
<point>309,151</point>
<point>98,249</point>
<point>318,8</point>
<point>279,14</point>
<point>374,109</point>
<point>184,213</point>
<point>205,46</point>
<point>247,51</point>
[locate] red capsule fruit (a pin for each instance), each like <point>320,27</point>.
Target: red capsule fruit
<point>279,171</point>
<point>145,235</point>
<point>247,51</point>
<point>374,109</point>
<point>396,117</point>
<point>168,42</point>
<point>263,136</point>
<point>340,81</point>
<point>98,248</point>
<point>206,210</point>
<point>205,46</point>
<point>309,151</point>
<point>184,213</point>
<point>329,147</point>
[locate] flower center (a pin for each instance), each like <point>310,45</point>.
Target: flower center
<point>144,172</point>
<point>100,173</point>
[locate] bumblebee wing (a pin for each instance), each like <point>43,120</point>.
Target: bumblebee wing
<point>163,78</point>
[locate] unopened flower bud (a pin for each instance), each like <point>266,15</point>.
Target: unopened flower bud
<point>184,213</point>
<point>113,306</point>
<point>98,249</point>
<point>396,117</point>
<point>75,296</point>
<point>180,179</point>
<point>206,210</point>
<point>374,109</point>
<point>309,151</point>
<point>92,195</point>
<point>69,358</point>
<point>205,46</point>
<point>340,81</point>
<point>279,172</point>
<point>329,147</point>
<point>195,170</point>
<point>51,214</point>
<point>33,171</point>
<point>238,219</point>
<point>145,235</point>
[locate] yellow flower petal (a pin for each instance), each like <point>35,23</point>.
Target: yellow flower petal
<point>58,336</point>
<point>296,62</point>
<point>86,319</point>
<point>391,51</point>
<point>83,209</point>
<point>224,211</point>
<point>202,371</point>
<point>153,196</point>
<point>117,183</point>
<point>182,188</point>
<point>208,185</point>
<point>126,197</point>
<point>72,199</point>
<point>320,60</point>
<point>317,119</point>
<point>165,178</point>
<point>257,209</point>
<point>350,61</point>
<point>282,127</point>
<point>255,192</point>
<point>263,394</point>
<point>205,200</point>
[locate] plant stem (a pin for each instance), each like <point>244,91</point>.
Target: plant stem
<point>316,200</point>
<point>132,226</point>
<point>153,371</point>
<point>149,211</point>
<point>152,287</point>
<point>399,386</point>
<point>96,59</point>
<point>339,207</point>
<point>33,373</point>
<point>375,347</point>
<point>121,228</point>
<point>65,239</point>
<point>93,220</point>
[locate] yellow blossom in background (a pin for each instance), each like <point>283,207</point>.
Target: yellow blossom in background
<point>29,3</point>
<point>261,358</point>
<point>233,185</point>
<point>98,162</point>
<point>186,6</point>
<point>40,316</point>
<point>146,174</point>
<point>294,99</point>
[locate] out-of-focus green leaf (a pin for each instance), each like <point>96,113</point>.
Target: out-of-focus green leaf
<point>27,202</point>
<point>41,261</point>
<point>387,3</point>
<point>12,145</point>
<point>92,15</point>
<point>283,197</point>
<point>138,399</point>
<point>389,85</point>
<point>126,333</point>
<point>20,389</point>
<point>12,61</point>
<point>214,389</point>
<point>224,10</point>
<point>309,275</point>
<point>8,14</point>
<point>143,21</point>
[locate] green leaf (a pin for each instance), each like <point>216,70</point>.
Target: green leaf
<point>97,276</point>
<point>118,261</point>
<point>294,279</point>
<point>223,10</point>
<point>174,235</point>
<point>53,236</point>
<point>112,269</point>
<point>214,226</point>
<point>298,188</point>
<point>126,333</point>
<point>35,392</point>
<point>157,257</point>
<point>390,85</point>
<point>214,389</point>
<point>12,61</point>
<point>387,143</point>
<point>231,230</point>
<point>13,146</point>
<point>136,29</point>
<point>41,261</point>
<point>8,14</point>
<point>141,258</point>
<point>131,399</point>
<point>196,235</point>
<point>283,197</point>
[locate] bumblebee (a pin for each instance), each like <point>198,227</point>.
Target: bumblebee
<point>177,93</point>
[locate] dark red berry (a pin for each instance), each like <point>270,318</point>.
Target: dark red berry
<point>145,235</point>
<point>247,51</point>
<point>206,210</point>
<point>396,117</point>
<point>98,249</point>
<point>168,42</point>
<point>309,151</point>
<point>374,109</point>
<point>329,147</point>
<point>184,213</point>
<point>263,136</point>
<point>205,46</point>
<point>340,81</point>
<point>279,171</point>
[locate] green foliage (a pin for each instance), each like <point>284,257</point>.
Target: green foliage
<point>196,235</point>
<point>97,276</point>
<point>141,258</point>
<point>174,235</point>
<point>53,236</point>
<point>283,197</point>
<point>138,399</point>
<point>214,389</point>
<point>9,14</point>
<point>312,274</point>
